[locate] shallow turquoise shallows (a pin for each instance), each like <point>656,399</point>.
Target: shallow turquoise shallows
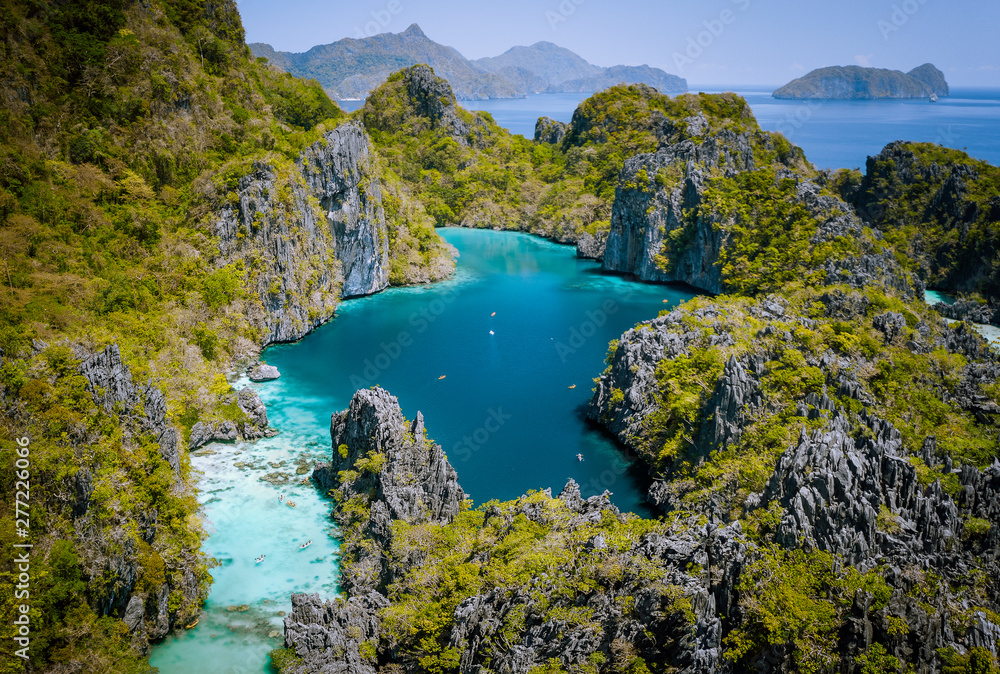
<point>489,357</point>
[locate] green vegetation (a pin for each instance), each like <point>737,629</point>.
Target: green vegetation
<point>797,599</point>
<point>539,562</point>
<point>949,228</point>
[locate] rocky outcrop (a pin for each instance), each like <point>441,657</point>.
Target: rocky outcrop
<point>339,173</point>
<point>969,310</point>
<point>932,78</point>
<point>662,229</point>
<point>861,83</point>
<point>592,246</point>
<point>261,372</point>
<point>251,425</point>
<point>328,635</point>
<point>141,410</point>
<point>857,495</point>
<point>395,470</point>
<point>311,233</point>
<point>275,228</point>
<point>940,198</point>
<point>110,383</point>
<point>548,130</point>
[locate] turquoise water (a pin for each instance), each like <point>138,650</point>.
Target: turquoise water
<point>990,332</point>
<point>504,412</point>
<point>834,134</point>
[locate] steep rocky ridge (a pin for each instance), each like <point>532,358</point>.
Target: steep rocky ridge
<point>937,205</point>
<point>674,217</point>
<point>642,603</point>
<point>703,394</point>
<point>340,174</point>
<point>112,543</point>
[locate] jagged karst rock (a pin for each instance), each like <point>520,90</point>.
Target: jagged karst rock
<point>659,201</point>
<point>110,383</point>
<point>328,635</point>
<point>548,130</point>
<point>142,411</point>
<point>274,223</point>
<point>909,184</point>
<point>412,481</point>
<point>968,310</point>
<point>261,372</point>
<point>339,173</point>
<point>591,246</point>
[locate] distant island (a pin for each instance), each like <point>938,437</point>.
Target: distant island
<point>859,83</point>
<point>351,68</point>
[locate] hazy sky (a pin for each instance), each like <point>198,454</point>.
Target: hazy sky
<point>709,42</point>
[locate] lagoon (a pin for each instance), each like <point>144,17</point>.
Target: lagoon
<point>500,360</point>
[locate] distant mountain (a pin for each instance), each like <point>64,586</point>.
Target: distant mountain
<point>609,77</point>
<point>551,63</point>
<point>858,83</point>
<point>351,68</point>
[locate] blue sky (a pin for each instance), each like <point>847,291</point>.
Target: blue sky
<point>709,42</point>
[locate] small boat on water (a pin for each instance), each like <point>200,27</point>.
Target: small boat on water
<point>192,624</point>
<point>291,504</point>
<point>579,457</point>
<point>259,559</point>
<point>442,377</point>
<point>305,545</point>
<point>491,332</point>
<point>305,481</point>
<point>934,98</point>
<point>573,386</point>
<point>281,497</point>
<point>493,314</point>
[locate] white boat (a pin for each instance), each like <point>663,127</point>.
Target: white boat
<point>934,98</point>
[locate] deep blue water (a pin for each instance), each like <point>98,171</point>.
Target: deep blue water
<point>834,134</point>
<point>504,412</point>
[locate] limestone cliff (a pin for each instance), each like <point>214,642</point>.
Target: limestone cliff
<point>674,217</point>
<point>340,174</point>
<point>697,393</point>
<point>306,234</point>
<point>397,496</point>
<point>943,207</point>
<point>109,551</point>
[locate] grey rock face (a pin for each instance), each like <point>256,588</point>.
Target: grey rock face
<point>659,232</point>
<point>415,482</point>
<point>142,411</point>
<point>591,247</point>
<point>969,310</point>
<point>328,635</point>
<point>110,383</point>
<point>254,424</point>
<point>261,372</point>
<point>339,173</point>
<point>548,130</point>
<point>857,495</point>
<point>274,225</point>
<point>319,234</point>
